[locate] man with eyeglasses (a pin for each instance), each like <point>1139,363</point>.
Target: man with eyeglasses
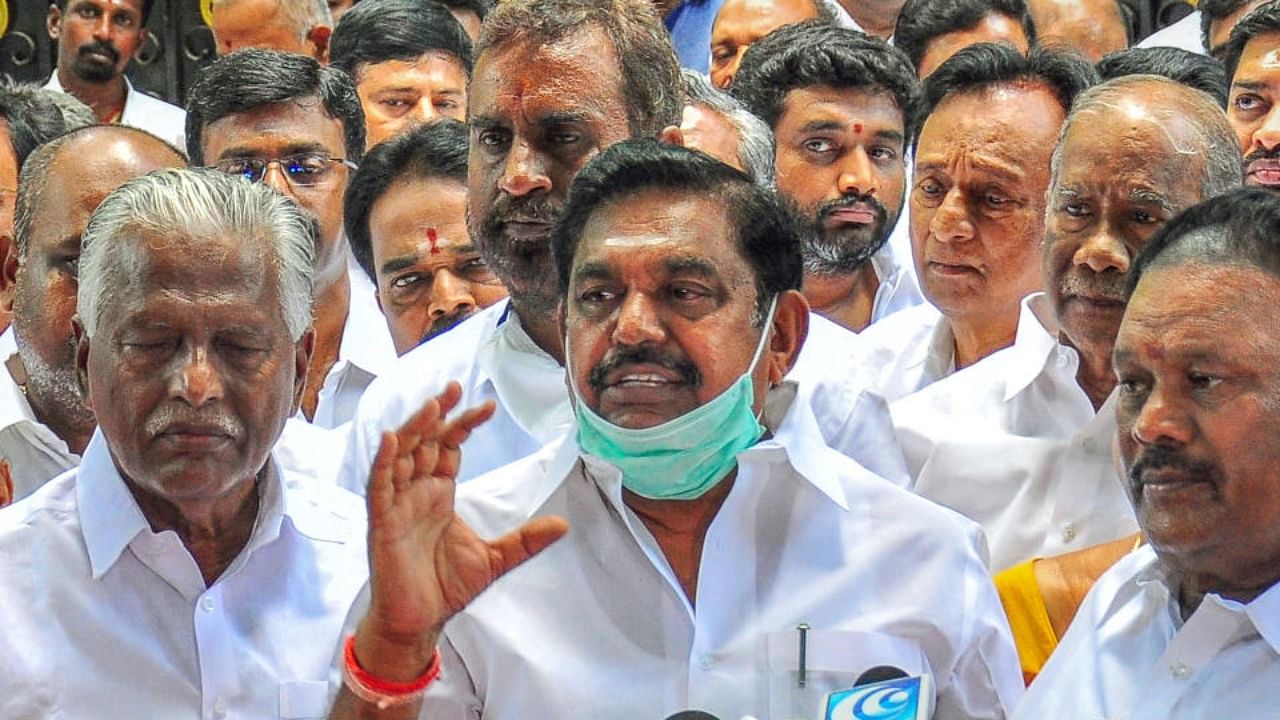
<point>284,120</point>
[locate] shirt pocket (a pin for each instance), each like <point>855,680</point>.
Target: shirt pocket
<point>833,661</point>
<point>304,699</point>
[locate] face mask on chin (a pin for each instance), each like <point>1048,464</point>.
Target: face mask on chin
<point>685,457</point>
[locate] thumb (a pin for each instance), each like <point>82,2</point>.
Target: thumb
<point>517,546</point>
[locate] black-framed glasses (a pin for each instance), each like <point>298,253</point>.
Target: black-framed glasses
<point>301,170</point>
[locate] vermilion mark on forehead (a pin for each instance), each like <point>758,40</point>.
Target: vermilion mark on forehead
<point>857,128</point>
<point>433,237</point>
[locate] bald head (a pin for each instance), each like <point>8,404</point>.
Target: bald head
<point>1193,124</point>
<point>61,185</point>
<point>1092,27</point>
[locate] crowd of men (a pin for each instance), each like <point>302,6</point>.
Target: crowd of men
<point>614,358</point>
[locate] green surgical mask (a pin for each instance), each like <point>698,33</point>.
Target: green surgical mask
<point>683,458</point>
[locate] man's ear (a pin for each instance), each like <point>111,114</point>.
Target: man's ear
<point>82,360</point>
<point>8,272</point>
<point>318,36</point>
<point>790,328</point>
<point>302,351</point>
<point>672,135</point>
<point>52,21</point>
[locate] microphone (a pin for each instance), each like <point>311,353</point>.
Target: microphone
<point>692,715</point>
<point>883,693</point>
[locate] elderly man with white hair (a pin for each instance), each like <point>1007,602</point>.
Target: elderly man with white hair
<point>181,570</point>
<point>296,26</point>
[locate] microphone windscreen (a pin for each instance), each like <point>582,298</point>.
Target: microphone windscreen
<point>879,673</point>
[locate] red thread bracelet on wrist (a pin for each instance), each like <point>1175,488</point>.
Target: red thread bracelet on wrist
<point>382,692</point>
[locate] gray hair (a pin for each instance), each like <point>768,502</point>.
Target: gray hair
<point>302,14</point>
<point>49,113</point>
<point>191,204</point>
<point>1213,137</point>
<point>756,146</point>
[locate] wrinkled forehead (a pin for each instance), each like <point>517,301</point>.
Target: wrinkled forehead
<point>656,234</point>
<point>149,263</point>
<point>578,70</point>
<point>1128,142</point>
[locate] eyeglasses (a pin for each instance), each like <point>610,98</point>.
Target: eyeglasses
<point>301,170</point>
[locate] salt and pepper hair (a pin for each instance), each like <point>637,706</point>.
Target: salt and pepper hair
<point>301,14</point>
<point>1213,137</point>
<point>193,204</point>
<point>755,143</point>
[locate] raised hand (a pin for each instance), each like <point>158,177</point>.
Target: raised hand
<point>426,563</point>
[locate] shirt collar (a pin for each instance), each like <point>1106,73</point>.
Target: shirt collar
<point>110,518</point>
<point>366,340</point>
<point>14,406</point>
<point>1036,339</point>
<point>1263,612</point>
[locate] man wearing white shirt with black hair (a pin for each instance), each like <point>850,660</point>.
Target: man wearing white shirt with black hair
<point>1189,627</point>
<point>97,40</point>
<point>708,521</point>
<point>536,64</point>
<point>284,120</point>
<point>1021,442</point>
<point>981,160</point>
<point>181,570</point>
<point>841,106</point>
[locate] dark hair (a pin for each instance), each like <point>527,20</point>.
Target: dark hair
<point>480,7</point>
<point>438,150</point>
<point>817,53</point>
<point>1260,21</point>
<point>650,73</point>
<point>251,78</point>
<point>764,231</point>
<point>923,20</point>
<point>376,31</point>
<point>1241,227</point>
<point>1066,74</point>
<point>146,8</point>
<point>1211,10</point>
<point>1187,68</point>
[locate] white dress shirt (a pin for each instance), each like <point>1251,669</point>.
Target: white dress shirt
<point>904,353</point>
<point>1184,34</point>
<point>598,625</point>
<point>104,617</point>
<point>165,121</point>
<point>899,290</point>
<point>493,358</point>
<point>35,453</point>
<point>365,352</point>
<point>1130,656</point>
<point>1013,442</point>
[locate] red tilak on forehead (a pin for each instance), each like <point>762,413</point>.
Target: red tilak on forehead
<point>433,238</point>
<point>857,127</point>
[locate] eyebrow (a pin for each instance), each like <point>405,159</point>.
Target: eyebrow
<point>1249,85</point>
<point>829,125</point>
<point>295,148</point>
<point>1145,195</point>
<point>404,262</point>
<point>690,265</point>
<point>592,271</point>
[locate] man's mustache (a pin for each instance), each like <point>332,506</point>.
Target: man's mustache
<point>1159,458</point>
<point>101,47</point>
<point>646,355</point>
<point>444,323</point>
<point>848,201</point>
<point>1095,286</point>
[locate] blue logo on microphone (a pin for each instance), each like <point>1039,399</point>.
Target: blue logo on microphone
<point>890,700</point>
